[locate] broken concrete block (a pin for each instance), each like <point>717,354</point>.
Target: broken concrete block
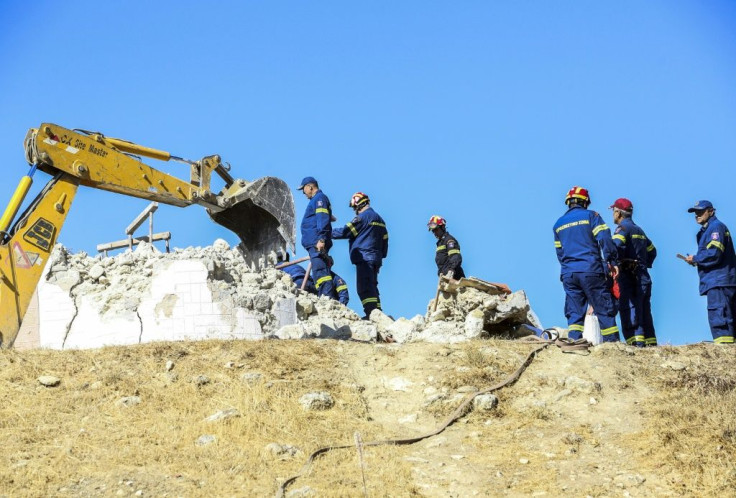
<point>402,330</point>
<point>474,322</point>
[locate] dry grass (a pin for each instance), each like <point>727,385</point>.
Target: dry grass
<point>692,422</point>
<point>74,440</point>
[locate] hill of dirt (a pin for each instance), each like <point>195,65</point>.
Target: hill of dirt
<point>224,418</point>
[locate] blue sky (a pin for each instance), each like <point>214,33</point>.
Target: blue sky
<point>483,112</point>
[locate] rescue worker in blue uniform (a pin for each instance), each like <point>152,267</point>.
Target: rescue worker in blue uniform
<point>297,274</point>
<point>317,234</point>
<point>580,236</point>
<point>340,293</point>
<point>368,246</point>
<point>636,254</point>
<point>447,256</point>
<point>716,263</point>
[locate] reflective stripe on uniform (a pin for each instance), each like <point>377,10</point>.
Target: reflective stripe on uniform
<point>651,341</point>
<point>599,228</point>
<point>558,243</point>
<point>352,229</point>
<point>453,251</point>
<point>441,248</point>
<point>577,327</point>
<point>377,224</point>
<point>322,280</point>
<point>637,236</point>
<point>369,300</point>
<point>322,210</point>
<point>342,288</point>
<point>620,237</point>
<point>573,224</point>
<point>716,244</point>
<point>636,338</point>
<point>650,247</point>
<point>385,236</point>
<point>726,339</point>
<point>610,330</point>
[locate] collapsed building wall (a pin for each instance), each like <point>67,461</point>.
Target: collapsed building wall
<point>210,293</point>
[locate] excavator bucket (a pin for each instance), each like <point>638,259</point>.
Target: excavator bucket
<point>261,213</point>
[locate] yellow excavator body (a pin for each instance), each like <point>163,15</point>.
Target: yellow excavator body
<point>260,212</point>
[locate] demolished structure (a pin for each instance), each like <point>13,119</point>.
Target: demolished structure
<point>211,293</point>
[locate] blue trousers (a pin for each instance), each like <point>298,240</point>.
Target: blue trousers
<point>366,276</point>
<point>635,310</point>
<point>584,288</point>
<point>320,272</point>
<point>721,309</point>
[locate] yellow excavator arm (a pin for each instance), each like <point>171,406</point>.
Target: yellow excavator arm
<point>260,212</point>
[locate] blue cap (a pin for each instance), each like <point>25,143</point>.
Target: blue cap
<point>700,206</point>
<point>307,181</point>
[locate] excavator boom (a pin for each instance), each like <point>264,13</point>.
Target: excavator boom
<point>260,212</point>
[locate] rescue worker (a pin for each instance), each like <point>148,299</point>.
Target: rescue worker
<point>580,236</point>
<point>368,246</point>
<point>716,263</point>
<point>317,234</point>
<point>297,274</point>
<point>447,256</point>
<point>636,254</point>
<point>341,287</point>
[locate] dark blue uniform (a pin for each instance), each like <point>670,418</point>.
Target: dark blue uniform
<point>717,271</point>
<point>448,258</point>
<point>368,245</point>
<point>317,225</point>
<point>341,289</point>
<point>297,273</point>
<point>580,236</point>
<point>636,254</point>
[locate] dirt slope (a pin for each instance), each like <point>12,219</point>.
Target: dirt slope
<point>655,422</point>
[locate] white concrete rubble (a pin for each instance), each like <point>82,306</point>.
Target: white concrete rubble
<point>211,293</point>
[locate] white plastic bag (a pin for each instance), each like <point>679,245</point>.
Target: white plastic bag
<point>592,330</point>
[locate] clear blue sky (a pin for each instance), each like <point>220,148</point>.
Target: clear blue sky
<point>483,112</point>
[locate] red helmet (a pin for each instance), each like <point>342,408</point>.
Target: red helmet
<point>436,221</point>
<point>358,200</point>
<point>577,193</point>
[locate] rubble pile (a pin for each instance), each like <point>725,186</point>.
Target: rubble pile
<point>210,292</point>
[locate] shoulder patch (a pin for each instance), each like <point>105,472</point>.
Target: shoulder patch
<point>451,243</point>
<point>714,236</point>
<point>320,203</point>
<point>619,229</point>
<point>595,213</point>
<point>355,220</point>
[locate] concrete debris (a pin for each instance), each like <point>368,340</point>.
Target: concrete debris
<point>281,451</point>
<point>49,381</point>
<point>485,402</point>
<point>223,415</point>
<point>129,401</point>
<point>211,293</point>
<point>205,439</point>
<point>317,401</point>
<point>251,378</point>
<point>200,380</point>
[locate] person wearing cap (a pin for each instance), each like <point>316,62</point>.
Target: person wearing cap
<point>447,255</point>
<point>317,234</point>
<point>580,236</point>
<point>636,254</point>
<point>368,246</point>
<point>716,263</point>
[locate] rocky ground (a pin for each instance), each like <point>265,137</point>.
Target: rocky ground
<point>235,418</point>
